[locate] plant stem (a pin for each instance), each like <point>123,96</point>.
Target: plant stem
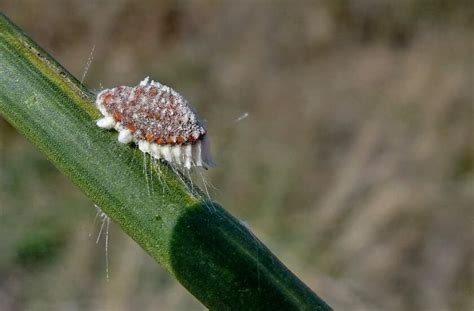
<point>216,258</point>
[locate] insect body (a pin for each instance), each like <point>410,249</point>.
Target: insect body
<point>159,120</point>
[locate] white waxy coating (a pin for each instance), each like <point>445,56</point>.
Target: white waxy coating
<point>166,152</point>
<point>195,151</point>
<point>125,137</point>
<point>197,154</point>
<point>155,151</point>
<point>144,146</point>
<point>176,152</point>
<point>188,156</point>
<point>106,123</point>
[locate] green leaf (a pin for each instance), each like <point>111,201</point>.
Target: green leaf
<point>205,248</point>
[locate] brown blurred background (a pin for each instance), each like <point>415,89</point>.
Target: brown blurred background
<point>355,164</point>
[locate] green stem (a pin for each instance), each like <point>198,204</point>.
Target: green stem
<point>216,258</point>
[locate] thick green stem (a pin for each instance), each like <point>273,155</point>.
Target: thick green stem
<point>216,258</point>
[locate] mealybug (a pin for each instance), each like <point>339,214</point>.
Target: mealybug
<point>159,120</point>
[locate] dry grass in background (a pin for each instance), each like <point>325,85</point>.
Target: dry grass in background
<point>355,165</point>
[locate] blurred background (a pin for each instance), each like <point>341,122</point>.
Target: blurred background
<point>355,164</point>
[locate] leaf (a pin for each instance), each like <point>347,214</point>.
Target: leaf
<point>205,248</point>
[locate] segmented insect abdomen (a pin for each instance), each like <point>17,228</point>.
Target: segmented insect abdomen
<point>159,120</point>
